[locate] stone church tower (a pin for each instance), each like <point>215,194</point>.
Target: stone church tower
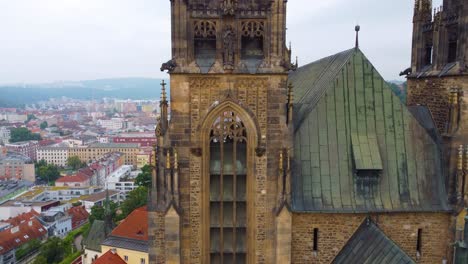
<point>438,80</point>
<point>264,162</point>
<point>216,181</point>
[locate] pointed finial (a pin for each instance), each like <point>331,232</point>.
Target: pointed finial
<point>281,160</point>
<point>168,159</point>
<point>107,213</point>
<point>163,91</point>
<point>176,160</point>
<point>460,158</point>
<point>357,28</point>
<point>290,94</point>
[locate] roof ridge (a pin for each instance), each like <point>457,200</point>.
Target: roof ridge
<point>322,73</point>
<point>321,80</point>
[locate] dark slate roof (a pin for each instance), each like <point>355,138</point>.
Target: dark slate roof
<point>424,117</point>
<point>370,245</point>
<point>127,243</point>
<point>96,235</point>
<point>449,69</point>
<point>341,96</point>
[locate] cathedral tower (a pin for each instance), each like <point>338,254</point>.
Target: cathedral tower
<point>217,186</point>
<point>438,79</point>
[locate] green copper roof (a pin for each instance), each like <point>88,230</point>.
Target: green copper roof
<point>347,119</point>
<point>366,151</point>
<point>96,235</point>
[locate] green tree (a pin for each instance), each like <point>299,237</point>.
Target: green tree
<point>27,248</point>
<point>75,163</point>
<point>31,117</point>
<point>136,198</point>
<point>43,125</point>
<point>98,212</point>
<point>40,164</point>
<point>23,134</point>
<point>53,251</point>
<point>144,178</point>
<point>48,172</point>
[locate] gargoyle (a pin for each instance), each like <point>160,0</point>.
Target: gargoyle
<point>290,66</point>
<point>169,66</point>
<point>406,72</point>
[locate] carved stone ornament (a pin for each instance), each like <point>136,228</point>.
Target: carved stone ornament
<point>260,151</point>
<point>229,7</point>
<point>229,40</point>
<point>196,151</point>
<point>158,131</point>
<point>169,66</point>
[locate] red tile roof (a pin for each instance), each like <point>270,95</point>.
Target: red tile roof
<point>22,218</point>
<point>79,216</point>
<point>109,258</point>
<point>74,178</point>
<point>86,171</point>
<point>135,226</point>
<point>47,142</point>
<point>18,235</point>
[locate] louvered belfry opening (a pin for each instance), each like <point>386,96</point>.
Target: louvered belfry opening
<point>228,184</point>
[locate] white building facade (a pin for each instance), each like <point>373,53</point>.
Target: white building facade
<point>5,135</point>
<point>53,155</point>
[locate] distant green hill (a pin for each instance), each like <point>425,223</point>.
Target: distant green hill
<point>121,88</point>
<point>399,89</point>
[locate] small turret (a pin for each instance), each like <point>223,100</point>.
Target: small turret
<point>109,225</point>
<point>422,11</point>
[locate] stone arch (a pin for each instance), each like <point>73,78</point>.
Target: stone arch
<point>247,116</point>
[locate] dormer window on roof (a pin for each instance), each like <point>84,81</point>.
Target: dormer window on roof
<point>366,152</point>
<point>367,162</point>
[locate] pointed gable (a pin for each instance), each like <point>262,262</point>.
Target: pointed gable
<point>110,257</point>
<point>370,245</point>
<point>357,147</point>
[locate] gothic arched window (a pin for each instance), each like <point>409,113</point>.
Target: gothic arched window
<point>205,44</point>
<point>228,184</point>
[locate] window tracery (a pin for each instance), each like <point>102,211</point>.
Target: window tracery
<point>253,29</point>
<point>204,29</point>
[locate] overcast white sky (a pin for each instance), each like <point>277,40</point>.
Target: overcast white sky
<point>50,40</point>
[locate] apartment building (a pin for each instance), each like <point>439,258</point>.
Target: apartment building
<point>96,151</point>
<point>53,155</point>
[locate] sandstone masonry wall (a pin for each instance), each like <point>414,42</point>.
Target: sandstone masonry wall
<point>336,229</point>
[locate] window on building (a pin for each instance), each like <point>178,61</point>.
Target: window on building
<point>252,42</point>
<point>126,258</point>
<point>452,51</point>
<point>142,261</point>
<point>452,44</point>
<point>228,176</point>
<point>367,163</point>
<point>419,242</point>
<point>315,244</point>
<point>428,55</point>
<point>205,44</point>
